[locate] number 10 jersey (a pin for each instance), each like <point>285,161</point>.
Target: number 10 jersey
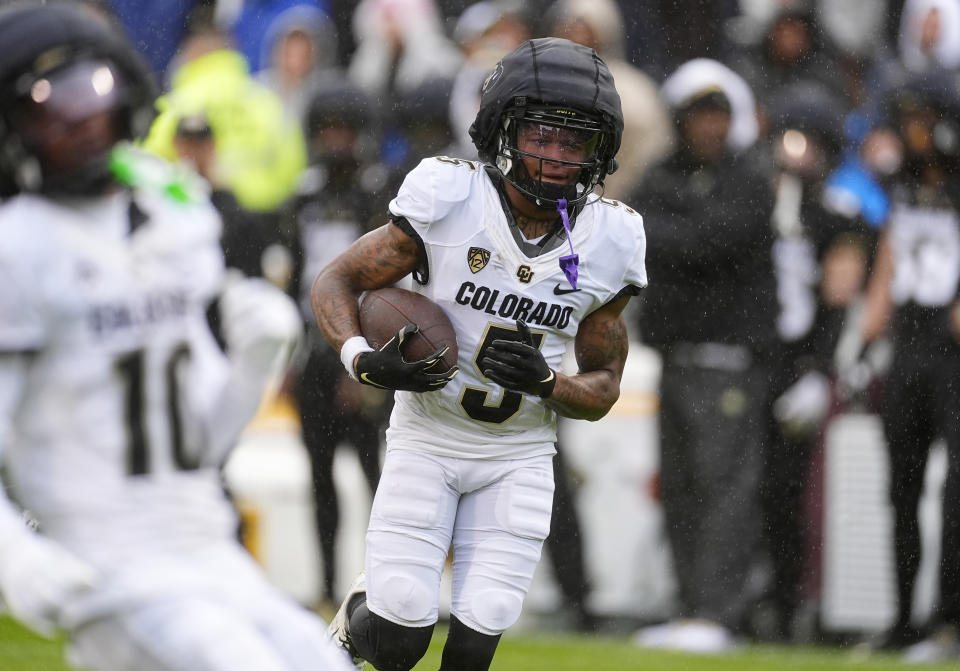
<point>110,309</point>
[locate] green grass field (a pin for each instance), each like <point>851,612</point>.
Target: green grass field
<point>22,651</point>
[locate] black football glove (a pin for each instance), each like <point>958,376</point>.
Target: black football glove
<point>519,366</point>
<point>387,369</point>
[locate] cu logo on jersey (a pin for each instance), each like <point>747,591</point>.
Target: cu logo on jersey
<point>477,259</point>
<point>525,274</point>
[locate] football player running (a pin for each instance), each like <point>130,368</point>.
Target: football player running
<point>525,258</point>
<point>117,405</point>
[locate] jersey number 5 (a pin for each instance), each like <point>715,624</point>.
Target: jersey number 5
<point>474,400</point>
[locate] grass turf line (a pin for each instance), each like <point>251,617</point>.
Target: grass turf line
<point>20,650</point>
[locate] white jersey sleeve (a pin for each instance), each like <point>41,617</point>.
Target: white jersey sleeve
<point>926,248</point>
<point>626,239</point>
<point>23,278</point>
<point>434,189</point>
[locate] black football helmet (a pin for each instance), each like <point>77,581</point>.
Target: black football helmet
<point>70,89</point>
<point>338,102</point>
<point>556,83</point>
<point>924,109</point>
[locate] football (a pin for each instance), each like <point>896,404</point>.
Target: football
<point>383,312</point>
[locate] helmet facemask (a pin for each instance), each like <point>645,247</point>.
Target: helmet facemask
<point>560,141</point>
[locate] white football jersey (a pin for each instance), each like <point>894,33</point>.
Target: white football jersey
<point>485,282</point>
<point>926,248</point>
<point>105,441</point>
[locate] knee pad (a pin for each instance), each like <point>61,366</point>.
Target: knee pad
<point>494,611</point>
<point>405,597</point>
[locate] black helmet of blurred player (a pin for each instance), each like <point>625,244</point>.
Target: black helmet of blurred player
<point>550,91</point>
<point>924,110</point>
<point>340,104</point>
<point>342,127</point>
<point>806,127</point>
<point>70,89</point>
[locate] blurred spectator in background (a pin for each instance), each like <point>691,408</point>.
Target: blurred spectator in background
<point>598,24</point>
<point>486,31</point>
<point>856,186</point>
<point>930,35</point>
<point>711,316</point>
<point>250,240</point>
<point>791,47</point>
<point>253,24</point>
<point>706,73</point>
<point>856,27</point>
<point>854,30</point>
<point>661,36</point>
<point>915,289</point>
<point>342,194</point>
<point>300,51</point>
<point>400,45</point>
<point>421,124</point>
<point>259,153</point>
<point>564,545</point>
<point>821,258</point>
<point>156,29</point>
<point>928,40</point>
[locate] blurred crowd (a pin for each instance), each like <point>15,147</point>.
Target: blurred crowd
<point>796,164</point>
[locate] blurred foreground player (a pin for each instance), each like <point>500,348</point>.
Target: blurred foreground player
<point>526,259</point>
<point>117,406</point>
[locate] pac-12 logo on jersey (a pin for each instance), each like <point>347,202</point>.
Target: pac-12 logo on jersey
<point>477,259</point>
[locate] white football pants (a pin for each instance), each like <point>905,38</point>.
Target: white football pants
<point>233,620</point>
<point>496,514</point>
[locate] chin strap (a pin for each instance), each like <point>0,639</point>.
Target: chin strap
<point>570,262</point>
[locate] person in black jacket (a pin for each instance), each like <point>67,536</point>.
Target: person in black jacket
<point>250,239</point>
<point>710,314</point>
<point>914,293</point>
<point>821,257</point>
<point>341,193</point>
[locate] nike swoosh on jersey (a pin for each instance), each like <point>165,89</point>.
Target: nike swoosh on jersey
<point>559,290</point>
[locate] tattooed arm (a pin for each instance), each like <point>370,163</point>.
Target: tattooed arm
<point>601,351</point>
<point>378,259</point>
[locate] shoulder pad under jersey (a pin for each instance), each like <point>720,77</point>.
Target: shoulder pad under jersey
<point>435,187</point>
